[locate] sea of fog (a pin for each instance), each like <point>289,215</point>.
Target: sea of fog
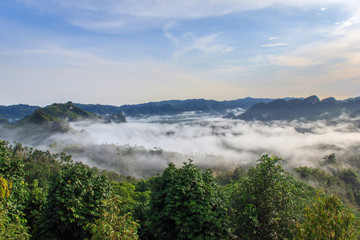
<point>145,146</point>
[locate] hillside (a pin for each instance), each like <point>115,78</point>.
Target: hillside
<point>309,109</point>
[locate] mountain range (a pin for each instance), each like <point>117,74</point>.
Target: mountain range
<point>262,109</point>
<point>14,113</point>
<point>308,109</point>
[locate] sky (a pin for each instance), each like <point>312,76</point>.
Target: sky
<point>126,52</point>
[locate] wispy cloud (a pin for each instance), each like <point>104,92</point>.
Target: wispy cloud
<point>188,42</point>
<point>273,38</point>
<point>274,44</point>
<point>111,12</point>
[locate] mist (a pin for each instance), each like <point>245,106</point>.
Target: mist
<point>144,147</point>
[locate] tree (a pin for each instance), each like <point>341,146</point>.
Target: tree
<point>186,203</point>
<point>262,202</point>
<point>74,200</point>
<point>10,228</point>
<point>12,176</point>
<point>113,225</point>
<point>327,219</point>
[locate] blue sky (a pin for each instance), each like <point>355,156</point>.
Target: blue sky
<point>125,51</point>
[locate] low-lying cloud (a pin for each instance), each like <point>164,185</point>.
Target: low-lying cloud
<point>142,148</point>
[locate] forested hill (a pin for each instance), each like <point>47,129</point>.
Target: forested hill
<point>174,107</point>
<point>310,109</point>
<point>57,112</point>
<point>13,113</point>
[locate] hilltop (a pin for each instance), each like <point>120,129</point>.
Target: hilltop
<point>57,112</point>
<point>309,109</point>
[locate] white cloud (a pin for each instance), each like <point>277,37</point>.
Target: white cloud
<point>274,44</point>
<point>343,26</point>
<point>273,38</point>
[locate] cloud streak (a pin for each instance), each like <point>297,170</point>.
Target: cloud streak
<point>274,45</point>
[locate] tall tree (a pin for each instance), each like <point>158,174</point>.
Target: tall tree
<point>186,203</point>
<point>262,202</point>
<point>74,200</point>
<point>113,224</point>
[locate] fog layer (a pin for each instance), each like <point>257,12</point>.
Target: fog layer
<point>143,147</point>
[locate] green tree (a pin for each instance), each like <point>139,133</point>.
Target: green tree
<point>12,207</point>
<point>10,228</point>
<point>35,206</point>
<point>186,203</point>
<point>327,219</point>
<point>74,200</point>
<point>113,224</point>
<point>262,202</point>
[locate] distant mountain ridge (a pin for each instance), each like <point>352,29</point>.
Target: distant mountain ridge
<point>264,109</point>
<point>14,113</point>
<point>170,107</point>
<point>310,109</point>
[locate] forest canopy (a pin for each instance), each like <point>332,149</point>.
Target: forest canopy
<point>48,196</point>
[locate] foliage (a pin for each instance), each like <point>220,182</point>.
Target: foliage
<point>344,182</point>
<point>327,219</point>
<point>330,159</point>
<point>113,224</point>
<point>74,200</point>
<point>51,197</point>
<point>230,176</point>
<point>9,228</point>
<point>5,187</point>
<point>35,206</point>
<point>129,197</point>
<point>263,202</point>
<point>187,204</point>
<point>37,164</point>
<point>12,169</point>
<point>116,177</point>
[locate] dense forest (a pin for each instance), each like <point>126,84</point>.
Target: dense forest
<point>49,196</point>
